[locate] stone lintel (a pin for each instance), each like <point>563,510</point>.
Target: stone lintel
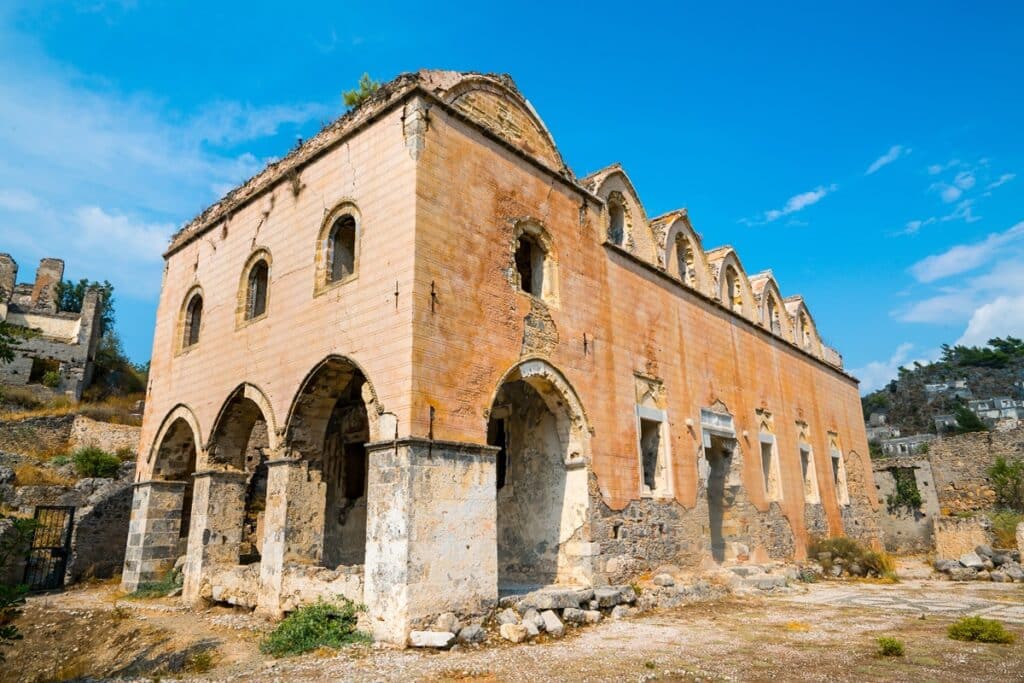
<point>160,483</point>
<point>436,447</point>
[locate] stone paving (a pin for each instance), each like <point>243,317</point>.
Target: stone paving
<point>995,601</point>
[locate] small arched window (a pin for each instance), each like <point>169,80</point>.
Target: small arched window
<point>685,261</point>
<point>530,258</point>
<point>733,291</point>
<point>341,249</point>
<point>193,321</point>
<point>772,311</point>
<point>616,221</point>
<point>804,332</point>
<point>256,294</point>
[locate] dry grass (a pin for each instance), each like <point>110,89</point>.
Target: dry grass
<point>27,474</point>
<point>796,626</point>
<point>114,409</point>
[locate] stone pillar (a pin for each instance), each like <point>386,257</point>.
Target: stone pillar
<point>215,532</point>
<point>44,292</point>
<point>8,278</point>
<point>293,525</point>
<point>431,533</point>
<point>153,532</point>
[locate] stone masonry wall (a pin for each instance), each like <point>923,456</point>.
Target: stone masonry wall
<point>37,434</point>
<point>960,466</point>
<point>105,435</point>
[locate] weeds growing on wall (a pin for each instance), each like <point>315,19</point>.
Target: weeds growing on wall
<point>95,462</point>
<point>979,630</point>
<point>1008,482</point>
<point>158,589</point>
<point>1004,527</point>
<point>323,624</point>
<point>906,494</point>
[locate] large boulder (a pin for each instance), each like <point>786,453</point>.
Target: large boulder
<point>437,639</point>
<point>552,624</point>
<point>515,633</point>
<point>963,574</point>
<point>972,561</point>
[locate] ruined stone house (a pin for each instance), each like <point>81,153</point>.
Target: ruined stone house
<point>419,362</point>
<point>62,344</point>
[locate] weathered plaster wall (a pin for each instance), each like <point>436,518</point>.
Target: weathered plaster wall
<point>955,536</point>
<point>635,320</point>
<point>905,530</point>
<point>360,318</point>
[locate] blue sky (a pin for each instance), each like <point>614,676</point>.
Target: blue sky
<point>871,156</point>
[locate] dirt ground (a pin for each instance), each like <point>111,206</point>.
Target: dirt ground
<point>827,632</point>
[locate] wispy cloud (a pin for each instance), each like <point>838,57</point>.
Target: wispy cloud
<point>797,202</point>
<point>998,318</point>
<point>894,153</point>
<point>936,169</point>
<point>999,182</point>
<point>964,257</point>
<point>877,374</point>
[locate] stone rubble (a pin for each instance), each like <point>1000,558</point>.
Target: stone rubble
<point>983,564</point>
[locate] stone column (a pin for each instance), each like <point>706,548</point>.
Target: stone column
<point>431,533</point>
<point>293,526</point>
<point>152,532</point>
<point>215,532</point>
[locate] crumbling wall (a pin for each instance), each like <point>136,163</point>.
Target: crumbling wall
<point>104,435</point>
<point>100,533</point>
<point>906,530</point>
<point>37,434</point>
<point>955,536</point>
<point>859,517</point>
<point>960,465</point>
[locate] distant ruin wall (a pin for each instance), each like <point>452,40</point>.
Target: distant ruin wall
<point>105,435</point>
<point>960,466</point>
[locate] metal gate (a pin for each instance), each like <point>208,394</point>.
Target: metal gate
<point>51,544</point>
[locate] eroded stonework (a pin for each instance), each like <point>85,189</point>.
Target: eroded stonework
<point>420,364</point>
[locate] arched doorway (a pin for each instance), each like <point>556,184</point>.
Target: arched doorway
<point>540,478</point>
<point>241,443</point>
<point>329,428</point>
<point>176,461</point>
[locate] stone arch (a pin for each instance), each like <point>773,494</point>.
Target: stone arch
<point>334,414</point>
<point>614,187</point>
<point>772,312</point>
<point>244,314</point>
<point>325,274</point>
<point>538,424</point>
<point>175,454</point>
<point>733,286</point>
<point>496,104</point>
<point>804,329</point>
<point>244,406</point>
<point>683,248</point>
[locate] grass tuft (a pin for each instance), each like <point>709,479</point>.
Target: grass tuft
<point>95,462</point>
<point>28,474</point>
<point>158,589</point>
<point>979,630</point>
<point>322,624</point>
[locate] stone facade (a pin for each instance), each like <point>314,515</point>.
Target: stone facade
<point>420,362</point>
<point>61,342</point>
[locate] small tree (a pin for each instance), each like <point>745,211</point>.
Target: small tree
<point>14,543</point>
<point>8,337</point>
<point>1008,482</point>
<point>367,86</point>
<point>94,462</point>
<point>968,421</point>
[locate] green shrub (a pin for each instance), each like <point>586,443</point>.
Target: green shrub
<point>158,589</point>
<point>322,624</point>
<point>125,454</point>
<point>978,630</point>
<point>95,462</point>
<point>60,460</point>
<point>51,379</point>
<point>1004,527</point>
<point>906,494</point>
<point>1008,483</point>
<point>890,647</point>
<point>851,552</point>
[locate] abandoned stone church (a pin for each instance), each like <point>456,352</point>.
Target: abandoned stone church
<point>419,363</point>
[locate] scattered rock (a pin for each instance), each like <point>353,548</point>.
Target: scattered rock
<point>984,551</point>
<point>963,574</point>
<point>1014,571</point>
<point>515,633</point>
<point>573,615</point>
<point>447,622</point>
<point>946,565</point>
<point>557,598</point>
<point>999,577</point>
<point>533,615</point>
<point>767,582</point>
<point>592,616</point>
<point>552,624</point>
<point>438,639</point>
<point>507,616</point>
<point>971,560</point>
<point>531,629</point>
<point>473,633</point>
<point>664,580</point>
<point>621,612</point>
<point>746,570</point>
<point>984,575</point>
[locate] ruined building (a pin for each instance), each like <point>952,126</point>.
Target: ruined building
<point>61,346</point>
<point>418,362</point>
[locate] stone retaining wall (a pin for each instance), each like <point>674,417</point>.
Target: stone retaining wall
<point>955,536</point>
<point>105,435</point>
<point>960,465</point>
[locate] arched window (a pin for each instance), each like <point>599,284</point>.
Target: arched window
<point>256,294</point>
<point>341,249</point>
<point>733,291</point>
<point>804,333</point>
<point>773,321</point>
<point>616,220</point>
<point>193,320</point>
<point>684,261</point>
<point>530,258</point>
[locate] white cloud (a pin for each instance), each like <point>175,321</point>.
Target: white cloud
<point>947,307</point>
<point>877,374</point>
<point>965,180</point>
<point>998,318</point>
<point>799,202</point>
<point>1001,180</point>
<point>894,153</point>
<point>964,257</point>
<point>949,193</point>
<point>936,169</point>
